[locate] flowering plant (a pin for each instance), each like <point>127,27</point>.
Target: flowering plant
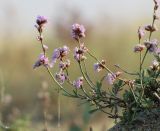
<point>141,94</point>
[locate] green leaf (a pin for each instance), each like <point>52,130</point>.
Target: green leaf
<point>94,110</point>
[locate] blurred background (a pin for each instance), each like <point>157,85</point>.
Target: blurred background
<point>111,33</point>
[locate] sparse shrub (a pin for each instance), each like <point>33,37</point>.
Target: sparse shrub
<point>141,94</point>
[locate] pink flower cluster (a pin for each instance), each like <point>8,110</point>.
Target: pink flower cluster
<point>78,31</point>
<point>111,77</point>
<point>78,83</point>
<point>79,52</point>
<point>59,53</point>
<point>42,60</point>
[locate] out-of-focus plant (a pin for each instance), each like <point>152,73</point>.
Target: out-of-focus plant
<point>143,92</point>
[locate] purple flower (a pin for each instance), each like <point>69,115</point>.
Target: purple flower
<point>78,83</point>
<point>78,31</point>
<point>99,66</point>
<point>64,51</point>
<point>151,28</point>
<point>56,55</point>
<point>41,20</point>
<point>79,52</point>
<point>152,45</point>
<point>42,60</point>
<point>59,53</point>
<point>111,78</point>
<point>61,77</point>
<point>158,51</point>
<point>157,3</point>
<point>155,65</point>
<point>64,65</point>
<point>139,48</point>
<point>141,32</point>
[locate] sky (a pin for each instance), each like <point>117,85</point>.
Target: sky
<point>19,15</point>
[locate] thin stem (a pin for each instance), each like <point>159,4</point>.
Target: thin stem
<point>125,70</point>
<point>41,41</point>
<point>60,86</point>
<point>2,89</point>
<point>150,35</point>
<point>45,120</point>
<point>80,66</point>
<point>59,110</point>
<point>133,94</point>
<point>141,64</point>
<point>144,58</point>
<point>88,97</point>
<point>99,62</point>
<point>87,74</point>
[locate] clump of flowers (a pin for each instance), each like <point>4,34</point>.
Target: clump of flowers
<point>78,31</point>
<point>42,60</point>
<point>78,83</point>
<point>141,93</point>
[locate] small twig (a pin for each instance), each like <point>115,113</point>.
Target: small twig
<point>156,95</point>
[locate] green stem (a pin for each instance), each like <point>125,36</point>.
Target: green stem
<point>61,87</point>
<point>133,94</point>
<point>80,66</point>
<point>87,74</point>
<point>59,110</point>
<point>99,62</point>
<point>143,58</point>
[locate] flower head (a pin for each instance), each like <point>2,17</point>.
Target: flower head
<point>79,52</point>
<point>152,45</point>
<point>111,77</point>
<point>158,51</point>
<point>61,77</point>
<point>99,66</point>
<point>78,83</point>
<point>64,65</point>
<point>139,48</point>
<point>59,53</point>
<point>78,31</point>
<point>155,65</point>
<point>157,4</point>
<point>42,60</point>
<point>141,32</point>
<point>41,20</point>
<point>151,28</point>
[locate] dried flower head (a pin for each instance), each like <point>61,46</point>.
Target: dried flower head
<point>78,31</point>
<point>110,78</point>
<point>79,52</point>
<point>158,51</point>
<point>155,65</point>
<point>151,28</point>
<point>157,4</point>
<point>59,53</point>
<point>99,66</point>
<point>151,45</point>
<point>64,64</point>
<point>156,16</point>
<point>41,20</point>
<point>61,77</point>
<point>42,60</point>
<point>78,83</point>
<point>141,32</point>
<point>139,48</point>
